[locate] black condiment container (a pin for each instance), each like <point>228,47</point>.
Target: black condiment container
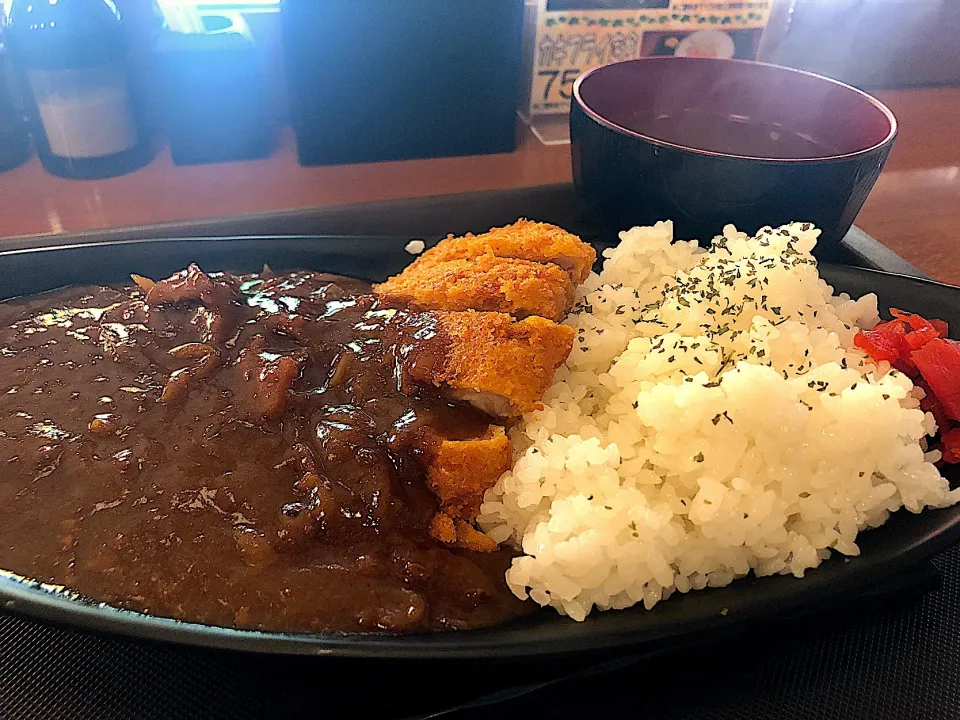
<point>14,139</point>
<point>373,80</point>
<point>213,96</point>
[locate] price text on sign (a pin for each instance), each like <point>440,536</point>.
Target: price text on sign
<point>562,57</point>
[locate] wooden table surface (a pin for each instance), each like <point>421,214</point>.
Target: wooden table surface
<point>914,208</point>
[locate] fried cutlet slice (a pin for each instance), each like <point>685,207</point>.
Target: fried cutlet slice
<point>460,471</point>
<point>524,240</point>
<point>518,287</point>
<point>503,367</point>
<point>500,365</point>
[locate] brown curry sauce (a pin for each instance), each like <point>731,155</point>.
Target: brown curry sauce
<point>247,455</point>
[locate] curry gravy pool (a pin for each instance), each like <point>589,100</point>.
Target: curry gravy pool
<point>219,458</point>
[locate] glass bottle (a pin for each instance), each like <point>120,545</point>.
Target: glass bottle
<point>72,58</point>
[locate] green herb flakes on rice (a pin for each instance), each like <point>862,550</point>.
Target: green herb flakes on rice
<point>713,419</point>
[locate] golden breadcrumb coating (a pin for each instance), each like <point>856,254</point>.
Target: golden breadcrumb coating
<point>501,365</point>
<point>461,534</point>
<point>524,240</point>
<point>460,471</point>
<point>518,287</point>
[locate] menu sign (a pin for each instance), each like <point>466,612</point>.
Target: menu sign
<point>567,37</point>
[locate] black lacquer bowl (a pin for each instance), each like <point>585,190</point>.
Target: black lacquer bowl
<point>904,541</point>
<point>707,142</point>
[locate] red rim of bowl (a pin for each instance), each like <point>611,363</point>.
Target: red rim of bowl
<point>688,148</point>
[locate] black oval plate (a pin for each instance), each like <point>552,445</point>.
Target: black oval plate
<point>904,541</point>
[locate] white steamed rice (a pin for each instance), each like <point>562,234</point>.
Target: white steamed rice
<point>713,419</point>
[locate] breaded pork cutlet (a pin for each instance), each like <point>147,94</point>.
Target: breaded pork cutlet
<point>489,283</point>
<point>500,365</point>
<point>459,472</point>
<point>524,240</point>
<point>495,298</point>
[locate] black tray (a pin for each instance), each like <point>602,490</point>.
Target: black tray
<point>838,666</point>
<point>903,542</point>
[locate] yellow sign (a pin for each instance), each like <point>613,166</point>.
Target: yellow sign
<point>569,42</point>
